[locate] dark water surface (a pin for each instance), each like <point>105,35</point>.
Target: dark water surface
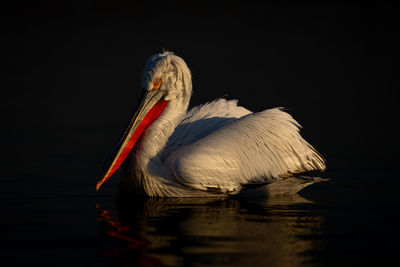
<point>334,223</point>
<point>72,78</point>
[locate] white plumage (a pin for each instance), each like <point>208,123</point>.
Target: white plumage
<point>257,148</point>
<point>215,149</point>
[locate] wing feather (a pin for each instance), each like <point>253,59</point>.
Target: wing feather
<point>201,121</point>
<point>255,149</point>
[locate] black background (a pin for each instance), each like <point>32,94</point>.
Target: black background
<point>71,78</point>
<point>72,72</point>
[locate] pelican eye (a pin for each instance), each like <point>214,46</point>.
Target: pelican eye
<point>157,83</point>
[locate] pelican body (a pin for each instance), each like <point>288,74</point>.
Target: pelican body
<point>216,149</point>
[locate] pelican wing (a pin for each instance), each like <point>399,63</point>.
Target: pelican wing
<point>255,149</point>
<point>201,121</point>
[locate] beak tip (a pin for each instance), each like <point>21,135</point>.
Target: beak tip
<point>98,185</point>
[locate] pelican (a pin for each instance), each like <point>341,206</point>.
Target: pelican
<point>215,149</point>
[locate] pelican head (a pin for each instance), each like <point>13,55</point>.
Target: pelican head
<point>168,74</point>
<point>167,87</point>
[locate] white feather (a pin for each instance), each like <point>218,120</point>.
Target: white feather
<point>256,149</point>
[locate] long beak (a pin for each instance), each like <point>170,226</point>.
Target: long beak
<point>151,105</point>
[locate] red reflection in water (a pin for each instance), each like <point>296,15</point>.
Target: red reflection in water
<point>133,249</point>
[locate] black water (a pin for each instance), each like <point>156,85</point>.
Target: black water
<point>71,81</point>
<point>338,223</point>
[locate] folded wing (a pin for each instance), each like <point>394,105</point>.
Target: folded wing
<point>255,149</point>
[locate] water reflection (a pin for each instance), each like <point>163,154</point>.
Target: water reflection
<point>195,231</point>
